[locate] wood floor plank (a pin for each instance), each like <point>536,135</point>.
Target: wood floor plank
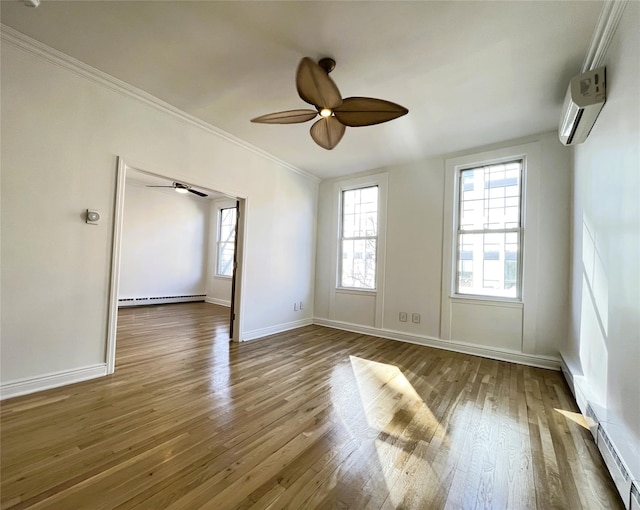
<point>310,418</point>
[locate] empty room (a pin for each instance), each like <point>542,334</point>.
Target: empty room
<point>320,254</point>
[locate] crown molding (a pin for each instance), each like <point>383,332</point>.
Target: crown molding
<point>605,29</point>
<point>24,42</point>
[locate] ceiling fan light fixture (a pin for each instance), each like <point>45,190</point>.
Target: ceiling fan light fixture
<point>180,188</point>
<point>316,88</point>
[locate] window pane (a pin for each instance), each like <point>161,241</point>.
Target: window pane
<point>359,263</point>
<point>360,212</point>
<point>226,238</point>
<point>359,237</point>
<point>225,259</point>
<point>490,197</point>
<point>227,230</point>
<point>488,264</point>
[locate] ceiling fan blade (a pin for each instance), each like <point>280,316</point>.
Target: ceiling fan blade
<point>366,111</point>
<point>315,87</point>
<point>288,117</point>
<point>327,132</point>
<point>149,186</point>
<point>199,193</point>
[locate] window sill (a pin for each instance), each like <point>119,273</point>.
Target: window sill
<point>488,300</point>
<point>345,290</point>
<point>222,277</point>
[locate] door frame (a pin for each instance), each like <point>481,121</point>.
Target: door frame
<point>116,247</point>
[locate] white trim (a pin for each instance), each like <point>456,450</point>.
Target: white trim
<point>26,43</point>
<point>566,371</point>
<point>216,301</point>
<point>533,360</point>
<point>116,248</point>
<point>382,181</point>
<point>52,380</point>
<point>531,155</point>
<point>470,299</point>
<point>242,235</point>
<point>272,330</point>
<point>603,34</point>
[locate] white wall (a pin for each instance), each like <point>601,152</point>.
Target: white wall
<point>603,350</point>
<point>413,265</point>
<point>165,243</point>
<point>62,131</point>
<point>218,287</point>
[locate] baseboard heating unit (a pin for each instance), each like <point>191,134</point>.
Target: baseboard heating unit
<point>615,443</point>
<point>603,432</point>
<point>159,300</point>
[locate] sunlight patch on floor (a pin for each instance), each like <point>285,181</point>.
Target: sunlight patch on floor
<point>404,423</point>
<point>575,417</point>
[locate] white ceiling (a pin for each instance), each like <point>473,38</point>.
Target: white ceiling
<point>470,73</point>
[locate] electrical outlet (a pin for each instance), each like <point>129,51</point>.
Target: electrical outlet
<point>300,305</point>
<point>403,317</point>
<point>415,318</point>
<point>295,307</point>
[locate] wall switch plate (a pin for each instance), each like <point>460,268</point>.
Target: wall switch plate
<point>415,318</point>
<point>300,305</point>
<point>295,307</point>
<point>403,317</point>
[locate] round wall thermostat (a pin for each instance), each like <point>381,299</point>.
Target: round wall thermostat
<point>93,216</point>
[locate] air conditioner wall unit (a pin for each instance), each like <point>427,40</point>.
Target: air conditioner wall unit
<point>585,98</point>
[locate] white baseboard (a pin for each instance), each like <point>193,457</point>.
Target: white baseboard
<point>216,301</point>
<point>48,381</point>
<point>272,330</point>
<point>548,362</point>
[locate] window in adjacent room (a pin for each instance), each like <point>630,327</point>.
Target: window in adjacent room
<point>358,238</point>
<point>226,241</point>
<point>489,231</point>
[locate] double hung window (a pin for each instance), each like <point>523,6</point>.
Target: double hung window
<point>358,237</point>
<point>226,241</point>
<point>489,231</point>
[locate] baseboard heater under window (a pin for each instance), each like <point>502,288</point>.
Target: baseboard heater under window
<point>158,300</point>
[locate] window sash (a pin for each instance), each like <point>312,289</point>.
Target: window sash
<point>367,269</point>
<point>494,191</point>
<point>226,245</point>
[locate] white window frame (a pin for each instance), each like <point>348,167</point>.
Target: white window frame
<point>219,242</point>
<point>363,238</point>
<point>380,180</point>
<point>531,155</point>
<point>519,230</point>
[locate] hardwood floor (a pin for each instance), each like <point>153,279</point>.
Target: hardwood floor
<point>311,418</point>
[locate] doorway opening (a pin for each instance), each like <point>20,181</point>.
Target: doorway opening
<point>166,248</point>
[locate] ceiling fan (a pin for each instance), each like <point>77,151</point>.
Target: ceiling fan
<point>319,90</point>
<point>182,188</point>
